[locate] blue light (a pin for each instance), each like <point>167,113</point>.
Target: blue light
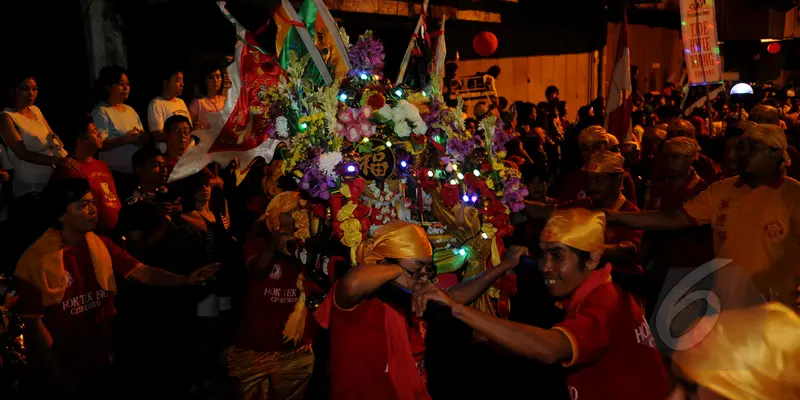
<point>462,252</point>
<point>364,76</point>
<point>403,163</point>
<point>465,198</point>
<point>343,97</point>
<point>398,92</point>
<point>351,168</point>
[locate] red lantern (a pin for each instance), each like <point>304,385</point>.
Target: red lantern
<point>774,48</point>
<point>485,44</point>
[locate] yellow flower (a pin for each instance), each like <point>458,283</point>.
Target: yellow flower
<point>351,230</point>
<point>501,154</point>
<point>497,166</point>
<point>502,174</point>
<point>500,193</point>
<point>490,183</point>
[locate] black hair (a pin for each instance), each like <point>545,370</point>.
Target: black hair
<point>78,129</point>
<point>667,112</point>
<point>502,102</point>
<point>287,183</point>
<point>193,184</point>
<point>59,194</point>
<point>450,69</point>
<point>583,256</point>
<point>494,71</point>
<point>533,171</point>
<point>550,90</point>
<point>169,71</point>
<point>174,119</point>
<point>13,80</point>
<point>143,155</point>
<point>205,71</point>
<point>109,75</point>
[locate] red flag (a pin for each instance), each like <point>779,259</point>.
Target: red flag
<point>620,103</point>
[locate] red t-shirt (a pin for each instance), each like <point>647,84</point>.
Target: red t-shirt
<point>81,325</point>
<point>359,354</point>
<point>614,353</point>
<point>103,189</point>
<point>616,234</point>
<point>267,306</point>
<point>575,187</point>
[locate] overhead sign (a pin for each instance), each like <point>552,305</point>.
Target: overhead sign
<point>700,46</point>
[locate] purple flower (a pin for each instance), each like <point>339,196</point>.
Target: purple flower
<point>366,55</point>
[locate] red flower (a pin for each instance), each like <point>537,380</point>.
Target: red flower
<point>450,195</point>
<point>376,101</point>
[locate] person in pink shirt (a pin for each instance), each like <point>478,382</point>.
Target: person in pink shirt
<point>86,143</point>
<point>213,98</point>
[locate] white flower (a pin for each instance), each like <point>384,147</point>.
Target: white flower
<point>328,162</point>
<point>402,129</point>
<point>420,128</point>
<point>386,112</point>
<point>282,126</point>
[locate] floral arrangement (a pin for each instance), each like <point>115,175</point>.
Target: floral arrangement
<point>367,56</point>
<point>404,119</point>
<point>354,124</point>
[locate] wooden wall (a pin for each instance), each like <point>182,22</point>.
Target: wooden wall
<point>656,51</point>
<point>526,78</point>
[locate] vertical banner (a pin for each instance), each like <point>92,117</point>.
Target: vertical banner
<point>700,46</point>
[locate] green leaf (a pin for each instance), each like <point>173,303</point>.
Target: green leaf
<point>365,147</point>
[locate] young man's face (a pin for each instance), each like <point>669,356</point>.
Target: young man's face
<point>602,185</point>
<point>759,159</point>
<point>537,189</point>
<point>421,270</point>
<point>677,164</point>
<point>154,172</point>
<point>174,86</point>
<point>92,140</point>
<point>81,215</point>
<point>561,269</point>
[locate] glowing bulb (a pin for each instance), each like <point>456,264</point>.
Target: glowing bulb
<point>304,126</point>
<point>474,199</point>
<point>365,140</point>
<point>376,77</point>
<point>455,251</point>
<point>453,182</point>
<point>430,174</point>
<point>476,172</point>
<point>388,144</point>
<point>398,92</point>
<point>455,167</point>
<point>436,139</point>
<point>403,163</point>
<point>424,94</point>
<point>460,176</point>
<point>485,236</point>
<point>462,252</point>
<point>364,76</point>
<point>343,97</point>
<point>351,168</point>
<point>465,198</point>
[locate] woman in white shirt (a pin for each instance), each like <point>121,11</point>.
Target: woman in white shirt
<point>118,122</point>
<point>212,102</point>
<point>33,149</point>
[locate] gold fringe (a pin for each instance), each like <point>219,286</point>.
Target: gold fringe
<point>296,324</point>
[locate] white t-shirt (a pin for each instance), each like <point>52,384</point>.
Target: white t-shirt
<point>113,123</point>
<point>37,138</point>
<point>159,110</point>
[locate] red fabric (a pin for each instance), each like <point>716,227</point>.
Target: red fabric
<point>450,195</point>
<point>611,344</point>
<point>266,308</point>
<point>574,187</point>
<point>620,103</point>
<point>616,234</point>
<point>374,351</point>
<point>82,324</point>
<point>103,189</point>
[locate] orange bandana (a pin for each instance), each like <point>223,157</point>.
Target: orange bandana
<point>397,239</point>
<point>605,162</point>
<point>578,228</point>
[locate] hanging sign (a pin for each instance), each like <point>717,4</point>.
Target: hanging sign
<point>700,46</point>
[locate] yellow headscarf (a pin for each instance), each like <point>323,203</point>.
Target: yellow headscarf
<point>592,134</point>
<point>683,145</point>
<point>764,114</point>
<point>578,228</point>
<point>397,239</point>
<point>605,162</point>
<point>680,127</point>
<point>749,354</point>
<point>771,136</point>
<point>282,203</point>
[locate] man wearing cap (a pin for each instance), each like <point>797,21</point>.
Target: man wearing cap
<point>703,165</point>
<point>604,173</point>
<point>591,140</point>
<point>765,114</point>
<point>66,295</point>
<point>604,340</point>
<point>687,247</point>
<point>754,217</point>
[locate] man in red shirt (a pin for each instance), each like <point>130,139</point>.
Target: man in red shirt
<point>66,295</point>
<point>592,140</point>
<point>86,144</point>
<point>604,340</point>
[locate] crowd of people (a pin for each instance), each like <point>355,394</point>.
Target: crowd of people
<point>132,287</point>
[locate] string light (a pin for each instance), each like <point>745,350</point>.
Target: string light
<point>343,97</point>
<point>460,176</point>
<point>365,140</point>
<point>303,126</point>
<point>485,236</point>
<point>462,252</point>
<point>399,92</point>
<point>351,168</point>
<point>364,76</point>
<point>424,94</point>
<point>453,182</point>
<point>476,172</point>
<point>388,144</point>
<point>474,198</point>
<point>455,167</point>
<point>465,198</point>
<point>430,174</point>
<point>403,163</point>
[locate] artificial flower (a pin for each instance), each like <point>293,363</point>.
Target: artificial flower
<point>328,162</point>
<point>351,232</point>
<point>282,126</point>
<point>402,129</point>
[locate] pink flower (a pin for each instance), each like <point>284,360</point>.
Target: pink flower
<point>366,128</point>
<point>353,133</point>
<point>366,112</point>
<point>346,118</point>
